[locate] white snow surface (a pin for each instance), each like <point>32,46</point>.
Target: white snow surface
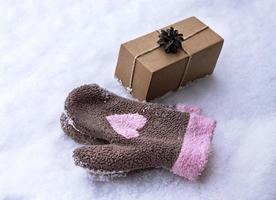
<point>49,47</point>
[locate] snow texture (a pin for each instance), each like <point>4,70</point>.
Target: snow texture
<point>48,47</point>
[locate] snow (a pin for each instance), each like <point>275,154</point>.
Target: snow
<point>49,47</point>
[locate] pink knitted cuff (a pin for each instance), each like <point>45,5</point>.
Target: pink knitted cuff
<point>188,108</point>
<point>194,152</point>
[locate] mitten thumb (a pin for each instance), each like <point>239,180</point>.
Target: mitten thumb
<point>112,158</point>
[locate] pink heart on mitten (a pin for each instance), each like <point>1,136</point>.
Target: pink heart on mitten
<point>127,124</point>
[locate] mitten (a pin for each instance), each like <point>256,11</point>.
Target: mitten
<point>123,135</point>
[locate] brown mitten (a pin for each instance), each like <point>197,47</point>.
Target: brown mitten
<point>124,135</point>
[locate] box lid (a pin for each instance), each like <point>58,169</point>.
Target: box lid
<point>158,59</point>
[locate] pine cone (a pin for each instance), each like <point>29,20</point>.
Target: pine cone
<point>171,40</point>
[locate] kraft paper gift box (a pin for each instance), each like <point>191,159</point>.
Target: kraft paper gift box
<point>147,71</point>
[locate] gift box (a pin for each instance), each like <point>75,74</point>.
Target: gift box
<point>164,60</point>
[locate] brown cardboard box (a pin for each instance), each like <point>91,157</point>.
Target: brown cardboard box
<point>156,72</point>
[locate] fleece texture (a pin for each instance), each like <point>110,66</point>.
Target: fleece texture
<point>130,135</point>
<point>195,148</point>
